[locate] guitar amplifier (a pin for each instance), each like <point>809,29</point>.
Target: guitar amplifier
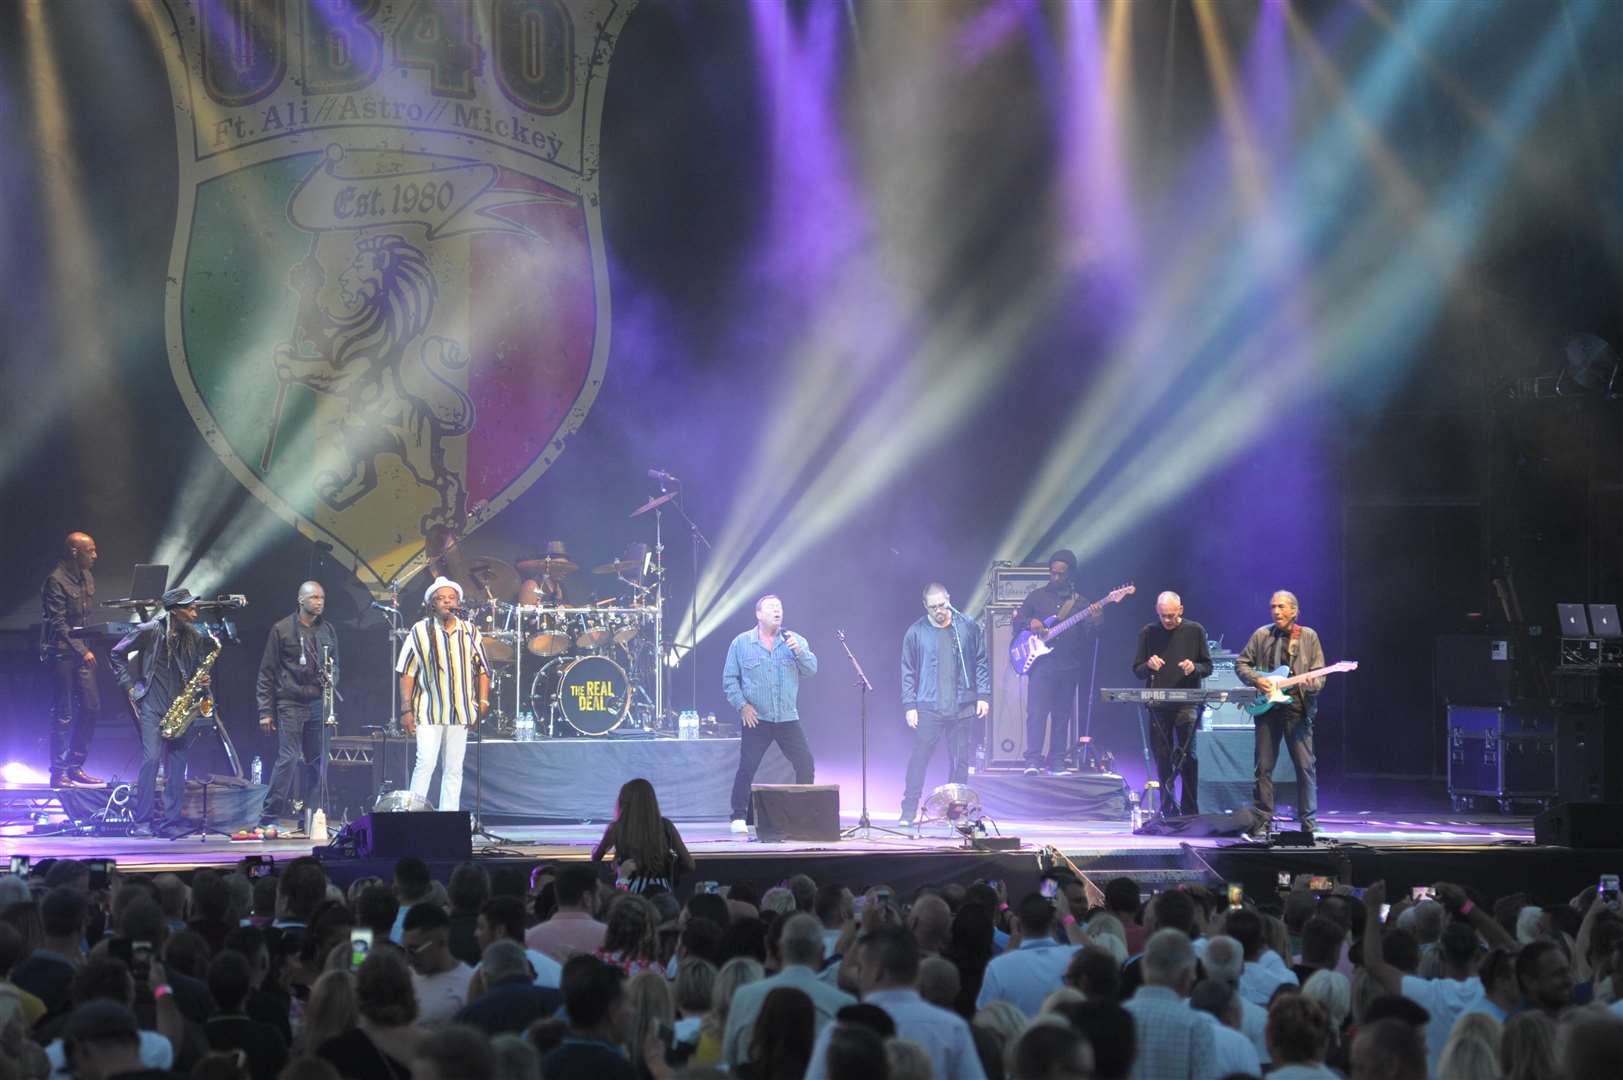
<point>1010,585</point>
<point>1229,714</point>
<point>1005,744</point>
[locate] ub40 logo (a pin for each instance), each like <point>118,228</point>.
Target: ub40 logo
<point>388,301</point>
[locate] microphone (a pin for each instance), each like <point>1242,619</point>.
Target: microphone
<point>662,476</point>
<point>390,608</point>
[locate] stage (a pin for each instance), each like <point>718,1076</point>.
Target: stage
<point>1494,854</point>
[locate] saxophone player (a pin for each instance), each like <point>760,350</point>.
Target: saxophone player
<point>155,664</point>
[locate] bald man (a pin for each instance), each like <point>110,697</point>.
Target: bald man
<point>289,691</point>
<point>65,602</point>
<point>1173,654</point>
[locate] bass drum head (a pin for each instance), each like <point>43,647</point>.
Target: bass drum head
<point>593,693</point>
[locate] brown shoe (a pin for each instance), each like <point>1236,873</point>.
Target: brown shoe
<point>79,776</point>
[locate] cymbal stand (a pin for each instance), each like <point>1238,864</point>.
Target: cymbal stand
<point>863,826</point>
<point>695,538</point>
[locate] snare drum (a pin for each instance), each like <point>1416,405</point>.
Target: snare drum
<point>593,693</point>
<point>593,631</point>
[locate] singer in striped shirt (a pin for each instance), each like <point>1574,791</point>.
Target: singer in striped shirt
<point>445,688</point>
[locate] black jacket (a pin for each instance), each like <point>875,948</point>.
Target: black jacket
<point>146,643</point>
<point>65,601</point>
<point>290,670</point>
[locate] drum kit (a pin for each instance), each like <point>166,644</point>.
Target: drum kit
<point>595,658</point>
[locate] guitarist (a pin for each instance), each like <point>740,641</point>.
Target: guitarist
<point>1055,677</point>
<point>1284,643</point>
<point>1172,653</point>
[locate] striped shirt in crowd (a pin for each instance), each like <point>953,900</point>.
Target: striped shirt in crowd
<point>445,666</point>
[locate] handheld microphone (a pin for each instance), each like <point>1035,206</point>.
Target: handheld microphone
<point>662,476</point>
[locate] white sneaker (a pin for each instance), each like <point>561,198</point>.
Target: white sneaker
<point>906,821</point>
<point>740,825</point>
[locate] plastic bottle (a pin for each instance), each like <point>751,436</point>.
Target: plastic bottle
<point>1134,810</point>
<point>257,770</point>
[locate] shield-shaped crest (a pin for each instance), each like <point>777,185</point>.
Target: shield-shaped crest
<point>388,298</point>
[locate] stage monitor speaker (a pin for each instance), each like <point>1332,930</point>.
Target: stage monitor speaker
<point>1472,669</point>
<point>1587,769</point>
<point>439,834</point>
<point>796,812</point>
<point>1581,825</point>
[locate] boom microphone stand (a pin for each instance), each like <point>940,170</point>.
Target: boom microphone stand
<point>864,688</point>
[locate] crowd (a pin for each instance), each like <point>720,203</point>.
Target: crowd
<point>560,973</point>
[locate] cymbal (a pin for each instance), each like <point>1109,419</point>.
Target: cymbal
<point>657,500</point>
<point>493,574</point>
<point>555,566</point>
<point>624,566</point>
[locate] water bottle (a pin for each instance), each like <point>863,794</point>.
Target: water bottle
<point>526,728</point>
<point>257,770</point>
<point>687,724</point>
<point>1134,812</point>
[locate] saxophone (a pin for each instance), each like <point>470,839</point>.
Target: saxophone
<point>191,701</point>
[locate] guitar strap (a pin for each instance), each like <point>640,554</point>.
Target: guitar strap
<point>1065,608</point>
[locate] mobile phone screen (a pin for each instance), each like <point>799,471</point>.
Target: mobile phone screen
<point>360,946</point>
<point>1608,889</point>
<point>140,957</point>
<point>1386,909</point>
<point>1320,884</point>
<point>1284,879</point>
<point>1236,894</point>
<point>1048,888</point>
<point>1423,892</point>
<point>19,865</point>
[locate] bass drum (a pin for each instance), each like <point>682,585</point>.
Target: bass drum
<point>592,693</point>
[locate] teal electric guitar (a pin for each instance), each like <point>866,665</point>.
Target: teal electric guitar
<point>1283,679</point>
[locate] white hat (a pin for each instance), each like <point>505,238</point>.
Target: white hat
<point>442,583</point>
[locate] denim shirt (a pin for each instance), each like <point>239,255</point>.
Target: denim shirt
<point>920,680</point>
<point>768,680</point>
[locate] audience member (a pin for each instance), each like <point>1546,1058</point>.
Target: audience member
<point>888,966</point>
<point>970,950</point>
<point>595,1001</point>
<point>1545,975</point>
<point>1472,1050</point>
<point>648,851</point>
<point>47,971</point>
<point>1298,1036</point>
<point>1110,1032</point>
<point>1388,1049</point>
<point>502,919</point>
<point>734,974</point>
<point>573,928</point>
<point>834,907</point>
<point>381,1044</point>
<point>1264,971</point>
<point>1225,960</point>
<point>440,979</point>
<point>514,1058</point>
<point>469,888</point>
<point>801,947</point>
<point>1527,1048</point>
<point>930,922</point>
<point>630,939</point>
<point>1050,1051</point>
<point>853,1052</point>
<point>1592,1047</point>
<point>651,1009</point>
<point>939,983</point>
<point>1173,1041</point>
<point>229,981</point>
<point>511,1000</point>
<point>412,886</point>
<point>453,1052</point>
<point>1033,965</point>
<point>1121,900</point>
<point>782,1035</point>
<point>1232,1051</point>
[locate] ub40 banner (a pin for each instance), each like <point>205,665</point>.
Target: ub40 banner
<point>387,298</point>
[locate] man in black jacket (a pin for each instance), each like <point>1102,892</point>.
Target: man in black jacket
<point>289,690</point>
<point>65,601</point>
<point>1173,654</point>
<point>945,682</point>
<point>511,1001</point>
<point>153,664</point>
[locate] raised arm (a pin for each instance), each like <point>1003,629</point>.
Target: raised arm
<point>1390,978</point>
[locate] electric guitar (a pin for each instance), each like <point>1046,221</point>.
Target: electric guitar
<point>1284,678</point>
<point>1029,647</point>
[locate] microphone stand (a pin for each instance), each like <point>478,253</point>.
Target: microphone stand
<point>863,826</point>
<point>695,538</point>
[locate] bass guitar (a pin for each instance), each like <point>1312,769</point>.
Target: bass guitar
<point>1283,679</point>
<point>1028,647</point>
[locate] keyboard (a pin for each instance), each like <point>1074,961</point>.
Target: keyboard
<point>1140,695</point>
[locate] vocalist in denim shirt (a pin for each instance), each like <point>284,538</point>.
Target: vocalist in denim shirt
<point>762,680</point>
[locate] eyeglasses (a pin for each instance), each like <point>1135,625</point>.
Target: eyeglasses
<point>943,606</point>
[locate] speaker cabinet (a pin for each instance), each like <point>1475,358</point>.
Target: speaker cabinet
<point>1581,825</point>
<point>432,834</point>
<point>796,812</point>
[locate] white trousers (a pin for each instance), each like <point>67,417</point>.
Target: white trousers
<point>430,737</point>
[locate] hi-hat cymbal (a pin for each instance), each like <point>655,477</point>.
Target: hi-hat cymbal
<point>554,566</point>
<point>657,500</point>
<point>493,575</point>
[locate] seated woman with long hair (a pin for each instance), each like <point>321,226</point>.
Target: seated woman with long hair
<point>631,938</point>
<point>781,1041</point>
<point>648,851</point>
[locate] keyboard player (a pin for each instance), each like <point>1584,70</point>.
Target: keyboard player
<point>1172,654</point>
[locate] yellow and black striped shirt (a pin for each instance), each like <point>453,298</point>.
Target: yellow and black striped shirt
<point>445,666</point>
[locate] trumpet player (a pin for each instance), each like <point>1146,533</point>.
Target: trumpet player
<point>290,688</point>
<point>159,663</point>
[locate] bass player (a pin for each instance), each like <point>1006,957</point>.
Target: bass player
<point>1054,677</point>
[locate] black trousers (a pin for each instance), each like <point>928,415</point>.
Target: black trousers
<point>298,757</point>
<point>1050,691</point>
<point>791,739</point>
<point>1295,727</point>
<point>1173,731</point>
<point>933,727</point>
<point>174,755</point>
<point>75,703</point>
